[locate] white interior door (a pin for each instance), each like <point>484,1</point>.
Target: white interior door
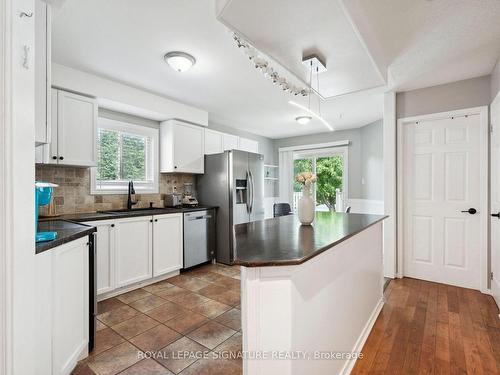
<point>442,181</point>
<point>495,198</point>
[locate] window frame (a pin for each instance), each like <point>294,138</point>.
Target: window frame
<point>327,152</point>
<point>121,187</point>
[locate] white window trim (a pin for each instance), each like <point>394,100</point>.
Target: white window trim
<point>120,187</point>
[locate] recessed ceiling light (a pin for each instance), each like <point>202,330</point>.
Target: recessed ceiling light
<point>303,120</point>
<point>179,61</point>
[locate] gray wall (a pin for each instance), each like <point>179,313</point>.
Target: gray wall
<point>469,93</point>
<point>355,167</point>
<point>495,81</point>
<point>372,161</point>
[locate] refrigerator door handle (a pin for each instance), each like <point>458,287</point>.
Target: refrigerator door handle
<point>248,192</point>
<point>252,190</point>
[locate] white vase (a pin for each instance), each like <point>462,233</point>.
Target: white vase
<point>306,207</point>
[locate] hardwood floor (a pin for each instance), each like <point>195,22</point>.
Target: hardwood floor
<point>430,328</point>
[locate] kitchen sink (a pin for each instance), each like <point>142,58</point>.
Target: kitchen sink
<point>140,211</point>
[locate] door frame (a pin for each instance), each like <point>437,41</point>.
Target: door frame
<point>484,209</point>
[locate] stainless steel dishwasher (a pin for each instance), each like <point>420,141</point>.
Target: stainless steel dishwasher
<point>199,237</point>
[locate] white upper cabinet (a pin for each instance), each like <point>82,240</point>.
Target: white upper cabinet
<point>217,142</point>
<point>42,72</point>
<point>229,142</point>
<point>76,129</point>
<point>248,145</point>
<point>73,134</point>
<point>182,147</point>
<point>167,243</point>
<point>214,142</point>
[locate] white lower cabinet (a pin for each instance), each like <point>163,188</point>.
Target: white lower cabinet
<point>105,254</point>
<point>167,243</point>
<point>136,249</point>
<point>133,250</point>
<point>70,304</point>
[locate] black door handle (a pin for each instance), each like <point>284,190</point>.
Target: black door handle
<point>496,215</point>
<point>471,211</point>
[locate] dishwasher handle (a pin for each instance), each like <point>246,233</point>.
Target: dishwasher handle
<point>199,217</point>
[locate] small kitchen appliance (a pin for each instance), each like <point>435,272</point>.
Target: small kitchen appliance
<point>173,200</point>
<point>188,197</point>
<point>43,195</point>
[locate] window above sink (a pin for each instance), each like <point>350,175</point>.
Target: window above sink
<point>126,152</point>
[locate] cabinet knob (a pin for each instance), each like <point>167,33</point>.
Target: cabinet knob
<point>61,157</point>
<point>54,157</point>
<point>156,220</point>
<point>112,225</point>
<point>175,167</point>
<point>151,220</point>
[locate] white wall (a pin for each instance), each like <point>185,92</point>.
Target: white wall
<point>122,98</point>
<point>17,180</point>
<point>469,93</point>
<point>495,81</point>
<point>372,161</point>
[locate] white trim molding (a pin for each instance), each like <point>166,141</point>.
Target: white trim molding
<point>484,188</point>
<point>5,337</point>
<point>315,146</point>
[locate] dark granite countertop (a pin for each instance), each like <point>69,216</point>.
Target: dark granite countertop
<point>117,214</point>
<point>66,232</point>
<point>283,241</point>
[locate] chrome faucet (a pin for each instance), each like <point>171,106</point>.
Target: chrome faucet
<point>131,191</point>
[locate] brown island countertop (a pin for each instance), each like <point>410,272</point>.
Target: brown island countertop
<point>283,241</point>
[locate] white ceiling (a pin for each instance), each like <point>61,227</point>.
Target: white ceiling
<point>425,43</point>
<point>289,30</point>
<point>125,40</point>
<point>411,43</point>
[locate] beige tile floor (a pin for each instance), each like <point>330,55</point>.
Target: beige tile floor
<point>190,323</point>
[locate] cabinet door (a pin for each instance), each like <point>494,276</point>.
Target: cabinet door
<point>230,142</point>
<point>105,242</point>
<point>77,129</point>
<point>167,243</point>
<point>133,250</point>
<point>248,145</point>
<point>189,148</point>
<point>70,304</point>
<point>42,72</point>
<point>50,152</point>
<point>213,142</point>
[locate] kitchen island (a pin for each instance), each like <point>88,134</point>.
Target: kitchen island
<point>310,294</point>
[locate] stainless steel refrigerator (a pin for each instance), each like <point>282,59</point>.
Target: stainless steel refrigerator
<point>234,182</point>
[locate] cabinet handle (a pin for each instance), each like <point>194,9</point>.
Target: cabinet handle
<point>112,225</point>
<point>151,220</point>
<point>54,157</point>
<point>156,220</point>
<point>61,157</point>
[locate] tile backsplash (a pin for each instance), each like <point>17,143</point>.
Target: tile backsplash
<point>73,194</point>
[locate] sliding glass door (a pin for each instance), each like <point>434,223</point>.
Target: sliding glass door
<point>329,165</point>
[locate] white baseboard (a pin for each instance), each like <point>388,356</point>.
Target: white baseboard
<point>358,347</point>
<point>137,285</point>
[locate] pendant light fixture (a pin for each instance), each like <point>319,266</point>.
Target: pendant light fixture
<point>314,64</point>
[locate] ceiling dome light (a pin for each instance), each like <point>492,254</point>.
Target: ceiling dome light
<point>303,120</point>
<point>179,61</point>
